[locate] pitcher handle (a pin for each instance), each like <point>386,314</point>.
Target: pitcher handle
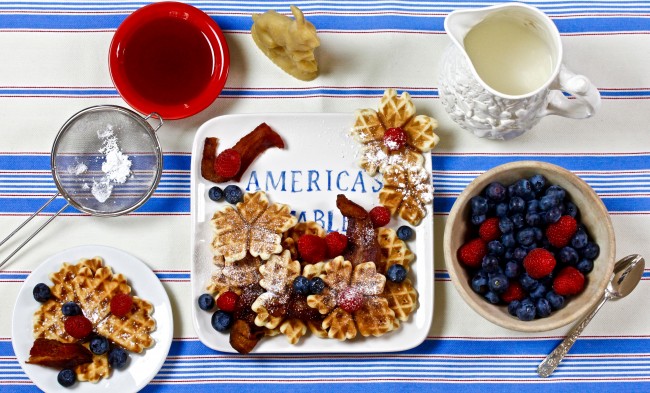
<point>587,97</point>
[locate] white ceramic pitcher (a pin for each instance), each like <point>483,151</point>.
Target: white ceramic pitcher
<point>494,86</point>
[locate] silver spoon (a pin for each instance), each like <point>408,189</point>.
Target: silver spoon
<point>627,274</point>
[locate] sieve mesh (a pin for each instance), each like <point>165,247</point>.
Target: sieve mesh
<point>77,159</point>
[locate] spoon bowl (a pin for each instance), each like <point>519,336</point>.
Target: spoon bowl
<point>627,274</point>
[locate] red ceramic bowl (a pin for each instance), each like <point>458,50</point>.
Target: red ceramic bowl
<point>169,58</point>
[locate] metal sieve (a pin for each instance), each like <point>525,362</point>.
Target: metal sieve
<point>79,164</point>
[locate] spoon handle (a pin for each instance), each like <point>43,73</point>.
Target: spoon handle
<point>553,360</point>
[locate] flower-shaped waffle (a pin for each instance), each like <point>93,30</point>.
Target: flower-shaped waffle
<point>352,301</point>
<point>394,112</point>
<point>92,286</point>
<point>402,297</point>
<point>254,226</point>
<point>234,276</point>
<point>280,307</point>
<point>406,191</point>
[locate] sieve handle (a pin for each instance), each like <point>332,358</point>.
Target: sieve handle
<point>33,233</point>
<point>155,116</point>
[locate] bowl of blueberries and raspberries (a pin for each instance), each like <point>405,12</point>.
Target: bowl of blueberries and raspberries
<point>529,246</point>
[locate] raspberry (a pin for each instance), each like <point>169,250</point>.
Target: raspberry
<point>471,253</point>
<point>380,216</point>
<point>78,326</point>
<point>559,234</point>
<point>350,299</point>
<point>227,301</point>
<point>489,230</point>
<point>312,248</point>
<point>228,163</point>
<point>514,292</point>
<point>336,244</point>
<point>539,263</point>
<point>569,282</point>
<point>121,304</point>
<point>394,138</point>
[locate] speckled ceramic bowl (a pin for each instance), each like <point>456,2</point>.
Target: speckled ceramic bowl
<point>593,215</point>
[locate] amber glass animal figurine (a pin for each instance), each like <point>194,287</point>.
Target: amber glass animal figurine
<point>289,43</point>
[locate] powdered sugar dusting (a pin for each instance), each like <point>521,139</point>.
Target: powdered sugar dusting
<point>116,165</point>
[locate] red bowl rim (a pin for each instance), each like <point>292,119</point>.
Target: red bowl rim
<point>217,42</point>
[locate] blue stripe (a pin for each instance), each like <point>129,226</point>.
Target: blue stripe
<point>268,93</point>
<point>41,162</point>
<point>351,23</point>
<point>372,369</point>
<point>577,162</point>
<point>177,184</point>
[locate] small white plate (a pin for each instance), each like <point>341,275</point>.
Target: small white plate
<point>142,367</point>
<point>319,161</point>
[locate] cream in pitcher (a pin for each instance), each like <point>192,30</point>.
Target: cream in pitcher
<point>504,72</point>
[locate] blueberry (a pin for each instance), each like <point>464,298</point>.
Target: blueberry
<point>557,192</point>
<point>301,285</point>
<point>508,240</point>
<point>539,234</point>
<point>495,247</point>
<point>531,247</point>
<point>233,194</point>
<point>492,297</point>
<point>532,206</point>
<point>117,358</point>
<point>537,183</point>
<point>41,292</point>
<point>480,283</point>
<point>316,285</point>
<point>523,187</point>
<point>585,265</point>
<point>526,236</point>
<point>215,193</point>
<point>396,273</point>
<point>580,239</point>
<point>538,292</point>
<point>518,220</point>
<point>206,302</point>
<point>70,309</point>
<point>543,308</point>
<point>501,210</point>
<point>526,310</point>
<point>506,225</point>
<point>568,255</point>
<point>552,215</point>
<point>527,282</point>
<point>99,345</point>
<point>66,377</point>
<point>546,202</point>
<point>221,321</point>
<point>490,264</point>
<point>479,205</point>
<point>509,254</point>
<point>405,232</point>
<point>513,306</point>
<point>511,190</point>
<point>516,205</point>
<point>533,219</point>
<point>512,269</point>
<point>496,192</point>
<point>520,253</point>
<point>591,251</point>
<point>498,283</point>
<point>478,220</point>
<point>571,209</point>
<point>556,301</point>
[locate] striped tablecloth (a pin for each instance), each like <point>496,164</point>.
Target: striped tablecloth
<point>53,62</point>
